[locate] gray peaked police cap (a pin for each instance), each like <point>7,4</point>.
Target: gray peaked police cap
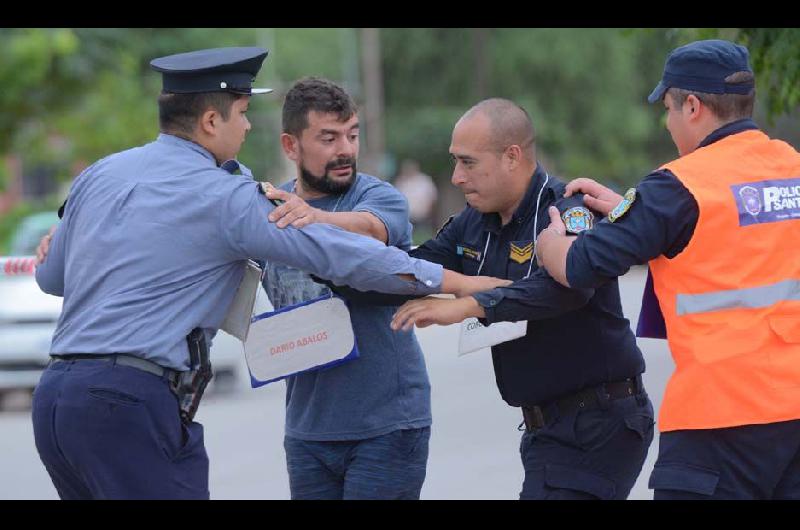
<point>212,70</point>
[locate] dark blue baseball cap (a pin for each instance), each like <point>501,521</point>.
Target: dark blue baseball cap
<point>703,66</point>
<point>212,70</point>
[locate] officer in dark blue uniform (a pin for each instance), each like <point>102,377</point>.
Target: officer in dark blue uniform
<point>149,253</point>
<point>576,374</point>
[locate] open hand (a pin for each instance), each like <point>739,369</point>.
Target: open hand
<point>44,246</point>
<point>294,211</point>
<point>596,196</point>
<point>426,311</point>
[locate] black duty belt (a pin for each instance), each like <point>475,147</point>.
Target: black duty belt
<point>125,360</point>
<point>537,416</point>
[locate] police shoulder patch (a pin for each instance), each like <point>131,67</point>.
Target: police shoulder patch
<point>623,206</point>
<point>577,219</point>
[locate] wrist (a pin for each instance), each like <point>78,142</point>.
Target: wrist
<point>320,216</point>
<point>472,308</point>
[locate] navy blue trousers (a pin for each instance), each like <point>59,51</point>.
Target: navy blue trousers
<point>107,431</point>
<point>746,462</point>
<point>590,454</point>
<point>387,467</point>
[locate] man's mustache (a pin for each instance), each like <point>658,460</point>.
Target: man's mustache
<point>340,163</point>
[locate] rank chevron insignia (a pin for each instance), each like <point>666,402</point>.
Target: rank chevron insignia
<point>521,254</point>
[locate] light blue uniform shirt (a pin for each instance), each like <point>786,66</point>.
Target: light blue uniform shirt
<point>387,387</point>
<point>152,245</point>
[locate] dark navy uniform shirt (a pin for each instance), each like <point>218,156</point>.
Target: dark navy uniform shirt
<point>575,339</point>
<point>660,221</point>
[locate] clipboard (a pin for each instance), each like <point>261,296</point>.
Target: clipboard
<point>240,313</point>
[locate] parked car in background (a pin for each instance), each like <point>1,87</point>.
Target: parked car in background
<point>28,318</point>
<point>30,231</point>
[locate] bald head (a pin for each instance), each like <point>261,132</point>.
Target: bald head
<point>509,124</point>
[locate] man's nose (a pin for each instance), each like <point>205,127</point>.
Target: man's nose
<point>458,178</point>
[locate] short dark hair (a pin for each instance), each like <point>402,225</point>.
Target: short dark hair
<point>510,124</point>
<point>180,112</point>
<point>726,107</point>
<point>317,94</point>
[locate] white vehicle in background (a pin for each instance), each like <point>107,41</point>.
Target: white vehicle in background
<point>28,318</point>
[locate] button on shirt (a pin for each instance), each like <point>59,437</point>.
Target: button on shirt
<point>575,338</point>
<point>153,241</point>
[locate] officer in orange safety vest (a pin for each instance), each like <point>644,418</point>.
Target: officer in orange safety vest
<point>720,229</point>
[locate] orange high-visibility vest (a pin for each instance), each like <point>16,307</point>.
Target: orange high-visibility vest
<point>731,299</point>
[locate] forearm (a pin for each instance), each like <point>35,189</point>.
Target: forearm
<point>323,250</point>
<point>363,223</point>
<point>551,251</point>
<point>523,301</point>
<point>50,273</point>
<point>473,308</point>
<point>360,262</point>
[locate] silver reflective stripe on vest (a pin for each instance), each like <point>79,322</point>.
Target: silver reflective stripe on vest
<point>735,298</point>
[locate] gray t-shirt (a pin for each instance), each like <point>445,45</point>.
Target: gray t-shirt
<point>386,388</point>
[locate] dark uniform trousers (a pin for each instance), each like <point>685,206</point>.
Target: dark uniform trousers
<point>592,453</point>
<point>108,431</point>
<point>746,462</point>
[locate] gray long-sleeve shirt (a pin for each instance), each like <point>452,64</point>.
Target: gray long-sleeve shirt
<point>153,241</point>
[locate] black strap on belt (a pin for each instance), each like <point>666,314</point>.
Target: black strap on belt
<point>537,416</point>
<point>122,359</point>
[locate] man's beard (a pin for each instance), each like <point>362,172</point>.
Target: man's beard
<point>326,184</point>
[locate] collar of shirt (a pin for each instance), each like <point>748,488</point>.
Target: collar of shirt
<point>232,166</point>
<point>181,142</point>
<point>728,129</point>
<point>492,221</point>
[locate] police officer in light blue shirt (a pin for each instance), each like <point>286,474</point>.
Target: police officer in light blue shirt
<point>152,245</point>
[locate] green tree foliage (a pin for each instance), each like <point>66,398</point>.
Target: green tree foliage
<point>71,96</point>
<point>775,58</point>
<point>585,89</point>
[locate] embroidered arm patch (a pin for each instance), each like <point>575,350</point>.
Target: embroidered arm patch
<point>624,205</point>
<point>577,219</point>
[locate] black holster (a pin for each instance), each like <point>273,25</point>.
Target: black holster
<point>189,387</point>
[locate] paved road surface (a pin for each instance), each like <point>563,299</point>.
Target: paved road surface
<point>474,443</point>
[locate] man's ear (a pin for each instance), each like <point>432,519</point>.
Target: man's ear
<point>291,146</point>
<point>209,121</point>
<point>513,154</point>
<point>694,106</point>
